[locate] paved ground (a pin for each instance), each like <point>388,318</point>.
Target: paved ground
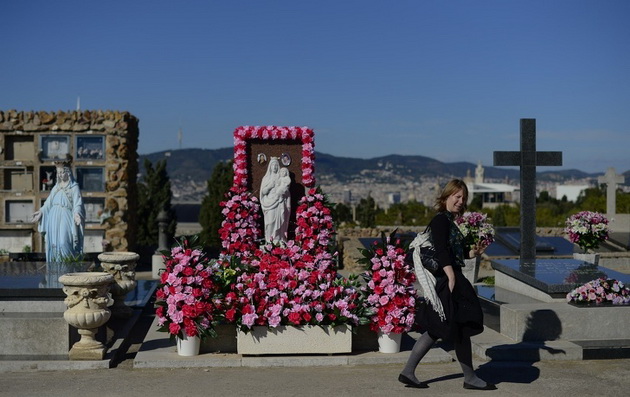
<point>568,378</point>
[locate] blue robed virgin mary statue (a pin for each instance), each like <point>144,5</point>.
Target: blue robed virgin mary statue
<point>62,217</point>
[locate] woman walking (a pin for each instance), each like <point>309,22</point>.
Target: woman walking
<point>456,314</point>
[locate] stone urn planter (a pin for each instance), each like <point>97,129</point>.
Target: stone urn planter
<point>122,266</point>
<point>87,300</point>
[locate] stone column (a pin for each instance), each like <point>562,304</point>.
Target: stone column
<point>157,263</point>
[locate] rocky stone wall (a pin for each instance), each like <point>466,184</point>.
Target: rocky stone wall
<point>348,243</point>
<point>121,159</point>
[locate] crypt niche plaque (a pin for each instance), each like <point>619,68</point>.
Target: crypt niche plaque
<point>91,147</point>
<point>94,207</point>
<point>18,211</point>
<point>91,179</point>
<point>54,147</point>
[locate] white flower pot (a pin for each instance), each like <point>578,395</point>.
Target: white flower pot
<point>188,345</point>
<point>389,343</point>
<point>589,258</point>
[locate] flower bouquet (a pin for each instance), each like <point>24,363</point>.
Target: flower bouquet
<point>391,296</point>
<point>285,286</point>
<point>186,304</point>
<point>476,229</point>
<point>601,290</point>
<point>587,229</point>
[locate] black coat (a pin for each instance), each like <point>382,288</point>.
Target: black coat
<point>464,317</point>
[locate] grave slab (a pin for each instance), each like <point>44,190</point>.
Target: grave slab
<point>553,277</point>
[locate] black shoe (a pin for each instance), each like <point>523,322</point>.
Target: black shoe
<point>411,383</point>
<point>488,386</point>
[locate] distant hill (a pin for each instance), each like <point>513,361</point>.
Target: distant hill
<point>196,165</point>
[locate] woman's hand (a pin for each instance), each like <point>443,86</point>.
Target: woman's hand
<point>477,250</point>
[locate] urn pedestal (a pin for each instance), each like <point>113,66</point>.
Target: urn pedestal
<point>87,301</point>
<point>122,266</point>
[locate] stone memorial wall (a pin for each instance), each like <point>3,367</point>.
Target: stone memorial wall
<point>103,145</point>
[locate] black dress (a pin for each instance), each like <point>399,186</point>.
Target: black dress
<point>464,317</point>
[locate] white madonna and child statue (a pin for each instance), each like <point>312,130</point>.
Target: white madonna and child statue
<point>62,217</point>
<point>275,201</point>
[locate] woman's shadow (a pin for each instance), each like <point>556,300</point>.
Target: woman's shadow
<point>542,326</point>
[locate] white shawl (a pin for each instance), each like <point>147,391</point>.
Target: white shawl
<point>425,278</point>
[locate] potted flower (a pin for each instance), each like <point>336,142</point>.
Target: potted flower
<point>587,229</point>
<point>389,292</point>
<point>600,291</point>
<point>184,297</point>
<point>478,232</point>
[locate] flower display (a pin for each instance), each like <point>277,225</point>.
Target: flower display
<point>314,227</point>
<point>184,297</point>
<point>587,229</point>
<point>390,294</point>
<point>476,229</point>
<point>302,134</point>
<point>601,290</point>
<point>240,229</point>
<point>284,286</point>
<point>282,283</point>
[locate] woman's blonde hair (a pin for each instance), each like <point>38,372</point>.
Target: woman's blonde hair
<point>451,188</point>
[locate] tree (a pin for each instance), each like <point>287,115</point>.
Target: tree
<point>593,199</point>
<point>366,212</point>
<point>154,195</point>
<point>342,213</point>
<point>210,216</point>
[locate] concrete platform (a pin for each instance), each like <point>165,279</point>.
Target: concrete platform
<point>158,351</point>
<point>118,342</point>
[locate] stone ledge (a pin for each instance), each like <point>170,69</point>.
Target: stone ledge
<point>550,321</point>
<point>490,345</point>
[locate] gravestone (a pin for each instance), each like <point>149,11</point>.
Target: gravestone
<point>619,223</point>
<point>543,279</point>
<point>611,179</point>
<point>528,159</point>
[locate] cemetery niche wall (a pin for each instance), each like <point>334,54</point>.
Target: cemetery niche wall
<point>103,145</point>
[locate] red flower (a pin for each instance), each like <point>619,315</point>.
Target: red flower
<point>294,318</point>
<point>174,328</point>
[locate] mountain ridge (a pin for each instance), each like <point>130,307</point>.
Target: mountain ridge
<point>197,164</point>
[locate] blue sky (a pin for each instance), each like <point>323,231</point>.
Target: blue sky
<point>443,79</point>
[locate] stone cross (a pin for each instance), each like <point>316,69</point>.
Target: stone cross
<point>611,179</point>
<point>527,159</point>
